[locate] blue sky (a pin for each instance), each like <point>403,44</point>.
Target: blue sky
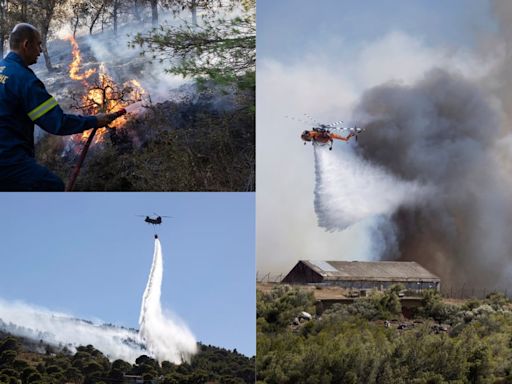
<point>89,255</point>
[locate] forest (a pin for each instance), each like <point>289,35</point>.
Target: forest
<point>193,134</point>
<point>20,363</point>
<point>464,342</point>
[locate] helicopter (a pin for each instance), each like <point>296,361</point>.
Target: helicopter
<point>322,134</point>
<point>154,221</point>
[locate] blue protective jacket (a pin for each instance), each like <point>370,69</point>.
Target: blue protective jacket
<point>24,102</point>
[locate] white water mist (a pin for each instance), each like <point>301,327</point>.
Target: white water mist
<point>349,189</point>
<point>165,337</point>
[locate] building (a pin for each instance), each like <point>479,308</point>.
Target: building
<point>363,275</point>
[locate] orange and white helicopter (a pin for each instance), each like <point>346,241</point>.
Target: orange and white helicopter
<point>322,134</point>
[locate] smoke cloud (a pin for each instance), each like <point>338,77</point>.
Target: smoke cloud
<point>164,336</point>
<point>62,329</point>
<point>430,178</point>
<point>443,131</point>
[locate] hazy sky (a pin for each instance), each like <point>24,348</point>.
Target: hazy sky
<point>318,58</point>
<point>289,29</point>
<point>87,254</point>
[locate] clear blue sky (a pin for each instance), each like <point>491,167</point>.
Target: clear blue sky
<point>89,255</point>
<point>289,28</point>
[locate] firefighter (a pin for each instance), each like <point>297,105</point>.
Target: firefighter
<point>24,102</point>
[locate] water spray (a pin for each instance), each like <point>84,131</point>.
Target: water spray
<point>164,337</point>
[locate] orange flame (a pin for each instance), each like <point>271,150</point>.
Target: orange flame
<point>74,67</point>
<point>104,96</point>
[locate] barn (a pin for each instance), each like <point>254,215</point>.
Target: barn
<point>363,274</point>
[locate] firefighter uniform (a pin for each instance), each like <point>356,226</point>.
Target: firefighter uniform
<point>24,102</point>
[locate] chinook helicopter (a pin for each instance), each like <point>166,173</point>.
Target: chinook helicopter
<point>154,221</point>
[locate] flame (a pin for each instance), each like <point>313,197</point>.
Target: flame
<point>74,67</point>
<point>103,95</point>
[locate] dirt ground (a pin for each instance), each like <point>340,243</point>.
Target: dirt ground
<point>321,293</point>
<point>327,293</point>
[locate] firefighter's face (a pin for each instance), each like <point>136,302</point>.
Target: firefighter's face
<point>33,49</point>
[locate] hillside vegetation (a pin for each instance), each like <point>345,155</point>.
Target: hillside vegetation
<point>173,147</point>
<point>19,363</point>
<point>469,342</point>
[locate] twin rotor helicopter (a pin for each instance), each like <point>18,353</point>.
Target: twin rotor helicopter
<point>153,220</point>
<point>322,134</point>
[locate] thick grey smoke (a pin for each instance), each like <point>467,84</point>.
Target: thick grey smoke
<point>442,131</point>
<point>164,336</point>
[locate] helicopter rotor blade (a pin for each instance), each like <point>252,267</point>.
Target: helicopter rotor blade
<point>336,123</point>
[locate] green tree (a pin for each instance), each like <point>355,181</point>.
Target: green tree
<point>7,357</point>
<point>9,344</point>
<point>222,48</point>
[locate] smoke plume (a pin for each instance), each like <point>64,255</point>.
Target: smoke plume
<point>164,337</point>
<point>443,131</point>
<point>61,329</point>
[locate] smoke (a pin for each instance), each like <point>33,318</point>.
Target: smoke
<point>438,121</point>
<point>444,131</point>
<point>161,335</point>
<point>125,62</point>
<point>328,84</point>
<point>164,336</point>
<point>61,329</point>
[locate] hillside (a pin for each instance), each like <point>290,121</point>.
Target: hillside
<point>369,340</point>
<point>27,361</point>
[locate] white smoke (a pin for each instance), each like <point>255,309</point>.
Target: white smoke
<point>125,62</point>
<point>61,329</point>
<point>164,336</point>
<point>349,189</point>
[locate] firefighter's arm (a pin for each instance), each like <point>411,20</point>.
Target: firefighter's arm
<point>106,118</point>
<point>44,110</point>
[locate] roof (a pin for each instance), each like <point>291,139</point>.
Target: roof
<point>370,270</point>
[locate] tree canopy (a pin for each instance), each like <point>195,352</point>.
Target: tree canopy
<point>221,47</point>
<point>90,366</point>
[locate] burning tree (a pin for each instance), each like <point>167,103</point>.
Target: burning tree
<point>101,95</point>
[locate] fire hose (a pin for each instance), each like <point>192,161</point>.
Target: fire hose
<point>76,171</point>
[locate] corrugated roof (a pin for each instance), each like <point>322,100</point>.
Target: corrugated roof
<point>370,270</point>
